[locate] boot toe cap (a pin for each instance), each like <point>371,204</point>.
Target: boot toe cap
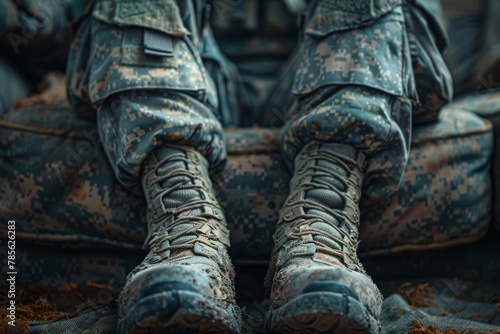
<point>167,277</point>
<point>290,283</point>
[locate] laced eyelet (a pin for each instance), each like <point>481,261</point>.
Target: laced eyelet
<point>154,259</point>
<point>301,170</point>
<point>291,200</point>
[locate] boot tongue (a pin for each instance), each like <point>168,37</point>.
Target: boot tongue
<point>325,198</point>
<point>338,171</point>
<point>179,197</point>
<point>328,196</point>
<point>332,167</point>
<point>325,195</point>
<point>331,231</point>
<point>169,167</point>
<point>323,215</point>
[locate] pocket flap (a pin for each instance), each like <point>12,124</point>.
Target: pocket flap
<point>161,15</point>
<point>336,15</point>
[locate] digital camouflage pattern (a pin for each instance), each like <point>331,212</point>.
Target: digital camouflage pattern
<point>357,97</point>
<point>438,149</point>
<point>129,130</point>
<point>391,90</point>
<point>58,185</point>
<point>78,149</point>
<point>173,97</point>
<point>382,86</point>
<point>108,67</point>
<point>487,105</point>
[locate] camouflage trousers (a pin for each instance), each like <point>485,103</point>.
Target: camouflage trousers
<point>363,72</point>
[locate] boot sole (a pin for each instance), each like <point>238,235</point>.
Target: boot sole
<point>323,312</point>
<point>178,312</point>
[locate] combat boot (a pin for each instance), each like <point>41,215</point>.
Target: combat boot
<point>318,284</point>
<point>185,283</point>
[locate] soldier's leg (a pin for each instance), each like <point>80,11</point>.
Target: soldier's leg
<point>346,141</point>
<point>156,112</point>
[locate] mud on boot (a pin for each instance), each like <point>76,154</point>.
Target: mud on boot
<point>185,283</point>
<point>317,283</point>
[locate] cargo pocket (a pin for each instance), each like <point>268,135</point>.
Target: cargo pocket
<point>138,45</point>
<point>356,43</point>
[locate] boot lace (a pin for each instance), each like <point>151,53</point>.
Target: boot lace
<point>196,221</point>
<point>334,230</point>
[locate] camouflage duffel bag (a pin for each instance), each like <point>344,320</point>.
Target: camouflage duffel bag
<point>487,105</point>
<point>57,185</point>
